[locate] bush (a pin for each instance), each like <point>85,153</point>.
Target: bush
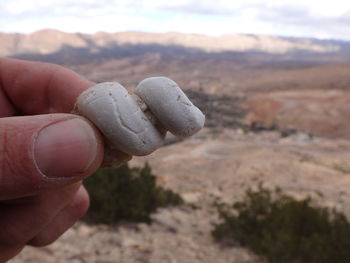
<point>282,229</point>
<point>122,193</point>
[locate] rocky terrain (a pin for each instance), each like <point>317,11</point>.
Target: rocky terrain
<point>279,116</point>
<point>203,169</point>
<point>318,112</point>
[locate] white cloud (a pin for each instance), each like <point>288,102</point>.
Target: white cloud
<point>277,17</point>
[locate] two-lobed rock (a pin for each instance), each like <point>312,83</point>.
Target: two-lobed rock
<point>135,129</point>
<point>171,106</point>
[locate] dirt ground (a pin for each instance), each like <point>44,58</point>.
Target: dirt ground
<point>202,169</point>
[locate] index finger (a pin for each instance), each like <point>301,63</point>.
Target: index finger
<point>39,88</point>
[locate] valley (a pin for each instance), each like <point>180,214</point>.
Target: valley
<point>277,113</point>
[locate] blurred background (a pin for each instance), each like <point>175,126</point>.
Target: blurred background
<point>273,79</point>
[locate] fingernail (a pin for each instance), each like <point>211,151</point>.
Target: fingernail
<point>66,148</point>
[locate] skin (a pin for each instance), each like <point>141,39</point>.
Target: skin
<point>35,209</point>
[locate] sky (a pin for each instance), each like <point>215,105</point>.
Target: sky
<point>296,18</point>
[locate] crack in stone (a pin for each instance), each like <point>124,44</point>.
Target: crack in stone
<point>186,103</point>
<point>123,124</point>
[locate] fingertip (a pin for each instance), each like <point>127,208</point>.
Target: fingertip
<point>81,202</point>
<point>66,218</point>
<point>45,152</point>
<point>38,87</point>
<point>68,148</point>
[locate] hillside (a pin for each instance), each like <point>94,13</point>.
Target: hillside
<point>277,112</point>
<point>256,73</point>
<point>204,169</point>
<point>51,41</point>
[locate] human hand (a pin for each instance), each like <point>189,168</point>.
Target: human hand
<point>44,154</point>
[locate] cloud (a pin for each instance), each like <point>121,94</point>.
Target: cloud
<point>273,17</point>
<point>318,8</point>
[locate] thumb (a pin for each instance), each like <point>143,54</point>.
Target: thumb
<point>46,151</point>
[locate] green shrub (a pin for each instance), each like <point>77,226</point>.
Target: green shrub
<point>285,230</point>
<point>124,194</point>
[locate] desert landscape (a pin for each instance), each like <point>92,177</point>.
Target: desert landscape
<point>277,113</point>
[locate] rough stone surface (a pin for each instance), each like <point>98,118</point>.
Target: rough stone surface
<point>120,119</point>
<point>171,106</point>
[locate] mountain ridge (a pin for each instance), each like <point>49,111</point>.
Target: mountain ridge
<point>50,41</point>
<point>271,86</point>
